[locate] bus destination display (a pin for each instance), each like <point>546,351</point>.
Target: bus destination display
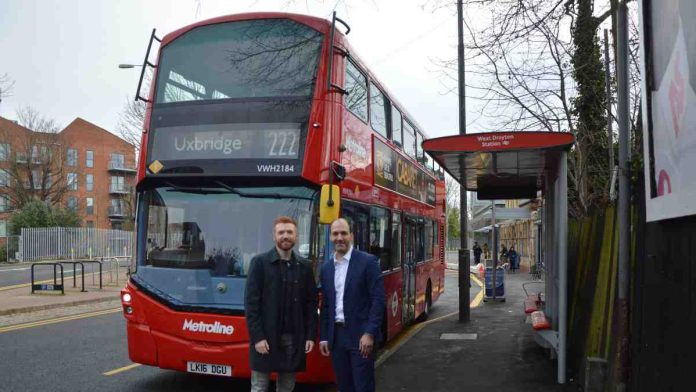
<point>227,141</point>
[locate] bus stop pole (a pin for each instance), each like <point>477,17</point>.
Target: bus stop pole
<point>562,200</point>
<point>463,273</point>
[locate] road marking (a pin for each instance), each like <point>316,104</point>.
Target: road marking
<point>121,369</point>
<point>13,269</point>
<point>479,297</point>
<point>18,286</point>
<point>59,320</point>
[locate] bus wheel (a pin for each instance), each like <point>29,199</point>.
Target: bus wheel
<point>428,303</point>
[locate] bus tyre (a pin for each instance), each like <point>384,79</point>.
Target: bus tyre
<point>428,303</point>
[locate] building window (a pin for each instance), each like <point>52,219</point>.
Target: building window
<point>3,228</point>
<point>4,204</point>
<point>379,105</point>
<point>35,158</point>
<point>72,203</point>
<point>72,157</point>
<point>356,86</point>
<point>72,181</point>
<point>36,179</point>
<point>117,161</point>
<point>117,184</point>
<point>21,157</point>
<point>90,182</point>
<point>90,158</point>
<point>4,151</point>
<point>4,177</point>
<point>90,206</point>
<point>90,223</point>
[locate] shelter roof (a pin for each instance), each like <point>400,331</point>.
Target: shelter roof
<point>501,165</point>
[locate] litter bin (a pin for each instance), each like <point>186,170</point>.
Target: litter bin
<point>499,283</point>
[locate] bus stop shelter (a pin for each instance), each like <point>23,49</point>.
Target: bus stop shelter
<point>516,165</point>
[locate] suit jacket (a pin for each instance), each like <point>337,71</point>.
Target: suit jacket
<point>363,299</point>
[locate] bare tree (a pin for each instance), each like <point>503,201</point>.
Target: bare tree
<point>536,65</point>
<point>36,168</point>
<point>451,191</point>
<point>6,85</point>
<point>131,122</point>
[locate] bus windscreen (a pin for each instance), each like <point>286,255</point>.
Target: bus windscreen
<point>199,237</point>
<point>238,60</point>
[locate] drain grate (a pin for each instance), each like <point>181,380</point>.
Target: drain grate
<point>458,336</point>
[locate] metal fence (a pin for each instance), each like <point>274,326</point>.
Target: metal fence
<point>49,243</point>
<point>12,248</point>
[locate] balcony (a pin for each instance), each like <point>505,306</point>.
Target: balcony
<point>119,167</point>
<point>117,213</point>
<point>118,190</point>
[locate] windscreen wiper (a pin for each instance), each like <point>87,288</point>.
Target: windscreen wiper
<point>263,195</point>
<point>197,190</point>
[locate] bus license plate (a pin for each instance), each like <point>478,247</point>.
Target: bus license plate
<point>209,368</point>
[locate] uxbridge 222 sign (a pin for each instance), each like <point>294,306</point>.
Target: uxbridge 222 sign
<point>396,173</point>
<point>227,141</point>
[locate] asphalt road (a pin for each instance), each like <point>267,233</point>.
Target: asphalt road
<point>11,275</point>
<point>74,355</point>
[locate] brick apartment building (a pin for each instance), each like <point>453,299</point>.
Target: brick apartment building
<point>82,167</point>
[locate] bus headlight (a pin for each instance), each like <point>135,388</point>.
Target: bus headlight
<point>126,297</point>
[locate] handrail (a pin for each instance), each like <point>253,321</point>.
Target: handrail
<point>146,62</point>
<point>48,287</point>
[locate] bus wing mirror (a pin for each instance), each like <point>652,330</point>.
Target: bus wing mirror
<point>329,203</point>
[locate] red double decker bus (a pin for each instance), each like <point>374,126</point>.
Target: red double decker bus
<point>254,116</point>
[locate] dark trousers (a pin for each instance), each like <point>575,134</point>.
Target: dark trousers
<point>353,372</point>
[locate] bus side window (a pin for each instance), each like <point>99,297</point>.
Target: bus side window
<point>356,87</point>
<point>380,239</point>
<point>379,107</point>
<point>357,216</point>
<point>419,245</point>
<point>396,241</point>
<point>396,126</point>
<point>428,233</point>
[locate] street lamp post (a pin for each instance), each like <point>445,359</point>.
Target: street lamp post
<point>464,280</point>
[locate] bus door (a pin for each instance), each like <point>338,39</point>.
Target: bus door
<point>408,266</point>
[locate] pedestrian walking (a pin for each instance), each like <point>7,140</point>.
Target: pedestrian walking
<point>486,251</point>
<point>477,253</point>
<point>503,255</point>
<point>352,311</point>
<point>514,259</point>
<point>281,311</point>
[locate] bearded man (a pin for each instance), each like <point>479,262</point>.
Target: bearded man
<point>281,311</point>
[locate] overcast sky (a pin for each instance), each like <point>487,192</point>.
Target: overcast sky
<point>64,55</point>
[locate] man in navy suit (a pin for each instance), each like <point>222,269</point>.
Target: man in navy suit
<point>352,311</point>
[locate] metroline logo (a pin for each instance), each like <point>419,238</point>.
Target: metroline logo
<point>200,326</point>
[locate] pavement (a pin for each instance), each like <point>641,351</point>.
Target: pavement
<point>19,305</point>
<point>494,351</point>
